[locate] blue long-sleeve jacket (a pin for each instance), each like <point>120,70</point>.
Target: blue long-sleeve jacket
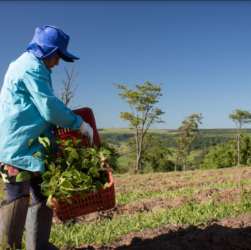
<point>28,108</point>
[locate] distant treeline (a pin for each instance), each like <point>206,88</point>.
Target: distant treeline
<point>116,138</point>
<point>205,139</point>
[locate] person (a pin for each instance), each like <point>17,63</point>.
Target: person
<point>29,109</point>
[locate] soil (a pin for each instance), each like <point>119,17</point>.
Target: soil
<point>157,187</point>
<point>225,234</point>
<point>169,182</point>
<point>157,204</point>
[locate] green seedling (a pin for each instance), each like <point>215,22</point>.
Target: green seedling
<point>78,171</point>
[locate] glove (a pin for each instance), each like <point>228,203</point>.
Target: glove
<point>104,161</point>
<point>87,130</point>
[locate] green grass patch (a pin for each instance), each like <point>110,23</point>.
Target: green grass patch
<point>125,198</point>
<point>111,230</point>
<point>122,161</point>
<point>130,197</point>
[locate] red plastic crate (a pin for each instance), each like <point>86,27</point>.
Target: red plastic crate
<point>105,198</point>
<point>64,133</point>
<point>87,116</point>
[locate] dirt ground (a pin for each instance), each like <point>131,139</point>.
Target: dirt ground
<point>229,195</point>
<point>170,181</point>
<point>225,234</point>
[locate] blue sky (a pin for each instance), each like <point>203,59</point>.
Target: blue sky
<point>199,50</point>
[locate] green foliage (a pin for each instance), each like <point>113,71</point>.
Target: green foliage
<point>154,155</point>
<point>80,171</point>
<point>198,160</point>
<point>220,156</point>
<point>205,139</point>
<point>245,146</point>
<point>245,149</point>
<point>113,157</point>
<point>116,138</point>
<point>157,156</point>
<point>240,117</point>
<point>187,134</point>
<point>143,114</point>
<point>224,155</point>
<point>6,246</point>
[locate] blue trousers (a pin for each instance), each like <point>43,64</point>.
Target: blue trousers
<point>19,189</point>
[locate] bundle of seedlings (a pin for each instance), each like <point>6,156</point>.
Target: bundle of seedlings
<point>78,171</point>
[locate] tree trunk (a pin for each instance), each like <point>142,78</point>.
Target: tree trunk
<point>137,151</point>
<point>234,158</point>
<point>175,169</point>
<point>184,164</point>
<point>137,164</point>
<point>238,144</point>
<point>138,158</point>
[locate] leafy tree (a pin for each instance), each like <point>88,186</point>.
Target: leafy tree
<point>157,156</point>
<point>234,147</point>
<point>178,154</point>
<point>198,160</point>
<point>153,155</point>
<point>143,114</point>
<point>187,135</point>
<point>220,156</point>
<point>240,117</point>
<point>245,145</point>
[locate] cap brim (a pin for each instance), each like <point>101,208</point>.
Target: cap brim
<point>66,56</point>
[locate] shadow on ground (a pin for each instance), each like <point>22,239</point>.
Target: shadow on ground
<point>230,234</point>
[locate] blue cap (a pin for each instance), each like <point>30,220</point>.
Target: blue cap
<point>49,41</point>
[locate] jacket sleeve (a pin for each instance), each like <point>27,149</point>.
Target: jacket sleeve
<point>38,84</point>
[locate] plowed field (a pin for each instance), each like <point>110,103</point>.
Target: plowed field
<point>180,210</point>
<point>208,209</point>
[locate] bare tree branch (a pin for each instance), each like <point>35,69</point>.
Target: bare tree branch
<point>67,87</point>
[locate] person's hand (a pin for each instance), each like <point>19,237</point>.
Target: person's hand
<point>87,130</point>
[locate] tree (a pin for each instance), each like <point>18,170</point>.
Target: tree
<point>178,154</point>
<point>199,159</point>
<point>240,117</point>
<point>158,159</point>
<point>156,155</point>
<point>148,141</point>
<point>67,91</point>
<point>234,147</point>
<point>245,146</point>
<point>188,133</point>
<point>143,114</point>
<point>153,154</point>
<point>220,156</point>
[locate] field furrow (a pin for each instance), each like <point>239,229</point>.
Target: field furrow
<point>223,234</point>
<point>196,210</point>
<point>170,179</point>
<point>157,204</point>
